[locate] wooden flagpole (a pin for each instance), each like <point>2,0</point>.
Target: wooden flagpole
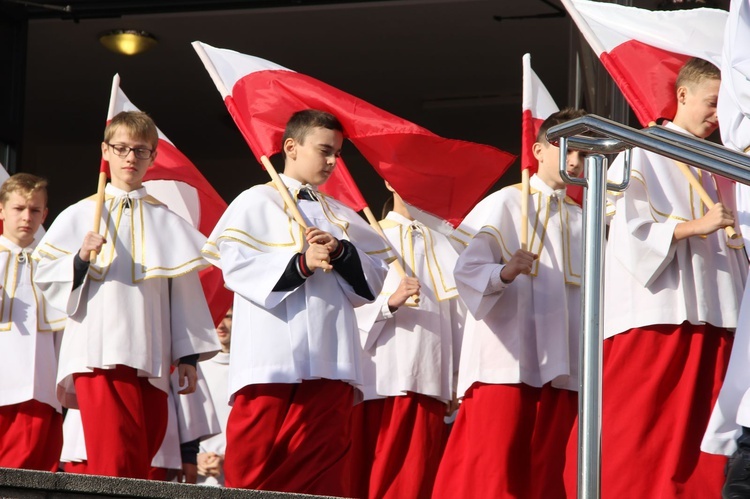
<point>525,192</point>
<point>698,187</point>
<point>102,184</point>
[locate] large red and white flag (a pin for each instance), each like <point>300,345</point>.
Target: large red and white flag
<point>643,50</point>
<point>439,176</point>
<point>174,180</point>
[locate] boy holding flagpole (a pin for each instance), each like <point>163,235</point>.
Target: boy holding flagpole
<point>134,310</point>
<point>295,362</point>
<point>674,282</point>
<point>410,362</point>
<point>519,358</point>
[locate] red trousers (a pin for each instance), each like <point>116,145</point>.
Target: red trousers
<point>401,446</point>
<point>291,437</point>
<point>659,387</point>
<point>30,436</point>
<point>124,419</point>
<point>508,441</point>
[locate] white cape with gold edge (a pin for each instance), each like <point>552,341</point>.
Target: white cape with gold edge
<point>29,331</point>
<point>528,331</point>
<point>126,312</point>
<point>653,279</point>
<point>417,348</point>
<point>307,333</point>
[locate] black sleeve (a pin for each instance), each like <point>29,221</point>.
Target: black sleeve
<point>79,270</point>
<point>294,275</point>
<point>189,451</point>
<point>348,265</point>
<point>191,360</point>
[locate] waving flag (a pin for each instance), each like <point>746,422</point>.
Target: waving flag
<point>174,180</point>
<point>441,177</point>
<point>538,105</point>
<point>644,50</point>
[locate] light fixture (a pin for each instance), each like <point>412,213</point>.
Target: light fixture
<point>128,41</point>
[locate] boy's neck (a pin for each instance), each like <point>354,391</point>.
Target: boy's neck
<point>550,182</point>
<point>298,178</point>
<point>400,207</point>
<point>18,242</point>
<point>125,187</point>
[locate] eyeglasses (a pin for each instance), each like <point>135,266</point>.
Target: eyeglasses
<point>123,151</point>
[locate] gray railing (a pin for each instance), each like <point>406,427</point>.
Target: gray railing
<point>615,138</point>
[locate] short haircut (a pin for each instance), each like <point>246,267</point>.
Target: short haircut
<point>139,125</point>
<point>694,71</point>
<point>25,184</point>
<point>558,118</point>
<point>303,122</point>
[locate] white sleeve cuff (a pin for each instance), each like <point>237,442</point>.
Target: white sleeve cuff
<point>496,282</point>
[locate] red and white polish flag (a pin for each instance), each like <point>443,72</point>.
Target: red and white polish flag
<point>538,105</point>
<point>174,180</point>
<point>443,178</point>
<point>643,50</point>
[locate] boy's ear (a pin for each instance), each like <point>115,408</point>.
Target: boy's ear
<point>681,94</point>
<point>290,148</point>
<point>104,148</point>
<point>536,150</point>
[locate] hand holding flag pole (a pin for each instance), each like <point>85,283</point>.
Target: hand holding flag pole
<point>698,188</point>
<point>375,225</point>
<point>104,168</point>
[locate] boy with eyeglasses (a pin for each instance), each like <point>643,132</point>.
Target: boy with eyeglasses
<point>134,310</point>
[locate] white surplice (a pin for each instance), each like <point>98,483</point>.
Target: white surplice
<point>526,331</point>
<point>307,333</point>
<point>216,372</point>
<point>190,417</point>
<point>649,277</point>
<point>416,348</point>
<point>140,304</point>
<point>29,331</point>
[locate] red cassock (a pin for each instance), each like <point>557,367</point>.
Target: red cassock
<point>291,437</point>
<point>659,371</point>
<point>512,435</point>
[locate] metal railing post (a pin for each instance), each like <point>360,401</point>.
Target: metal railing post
<point>592,305</point>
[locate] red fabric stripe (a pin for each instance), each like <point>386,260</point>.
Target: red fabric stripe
<point>660,384</point>
<point>646,77</point>
<point>529,130</point>
<point>30,436</point>
<point>291,438</point>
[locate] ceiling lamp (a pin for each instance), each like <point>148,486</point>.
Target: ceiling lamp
<point>128,41</point>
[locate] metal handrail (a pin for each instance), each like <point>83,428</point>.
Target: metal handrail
<point>710,157</point>
<point>616,137</point>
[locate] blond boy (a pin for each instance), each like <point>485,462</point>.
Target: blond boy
<point>30,415</point>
